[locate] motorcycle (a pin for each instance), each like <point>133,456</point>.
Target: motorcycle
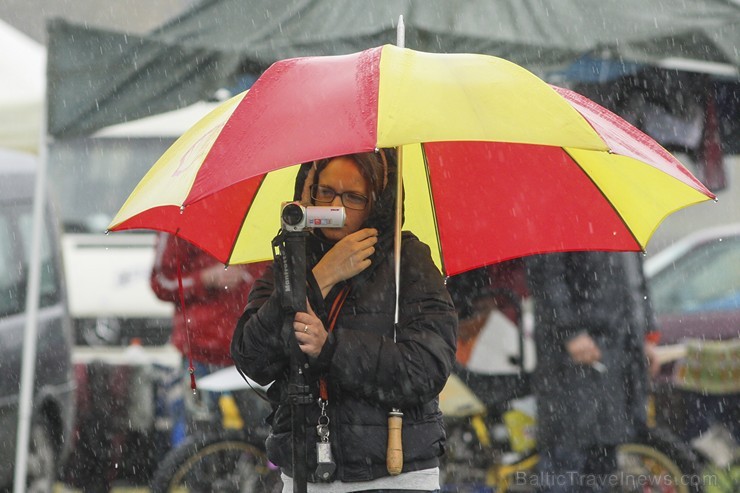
<point>491,447</point>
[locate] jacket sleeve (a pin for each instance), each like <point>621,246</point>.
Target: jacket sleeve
<point>257,346</point>
<point>413,369</point>
<point>586,292</point>
<point>555,305</point>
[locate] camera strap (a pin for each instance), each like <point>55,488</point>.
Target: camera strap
<point>325,464</point>
<point>333,315</point>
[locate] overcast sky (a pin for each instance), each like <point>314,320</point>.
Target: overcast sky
<point>136,16</point>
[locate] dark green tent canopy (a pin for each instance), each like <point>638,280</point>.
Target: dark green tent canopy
<point>97,78</point>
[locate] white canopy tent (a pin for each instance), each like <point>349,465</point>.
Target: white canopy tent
<point>22,86</point>
<point>22,128</point>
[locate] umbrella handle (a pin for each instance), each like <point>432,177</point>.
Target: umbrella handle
<point>394,454</point>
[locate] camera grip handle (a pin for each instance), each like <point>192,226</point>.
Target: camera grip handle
<point>394,453</point>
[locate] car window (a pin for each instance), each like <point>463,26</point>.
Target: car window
<point>49,286</point>
<point>705,279</point>
<point>12,287</point>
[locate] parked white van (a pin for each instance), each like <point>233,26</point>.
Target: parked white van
<point>110,299</point>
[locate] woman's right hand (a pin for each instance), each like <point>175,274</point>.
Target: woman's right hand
<point>346,259</point>
<point>583,349</point>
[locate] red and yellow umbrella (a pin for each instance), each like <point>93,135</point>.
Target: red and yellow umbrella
<point>497,164</point>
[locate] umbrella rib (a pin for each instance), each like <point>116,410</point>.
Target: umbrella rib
<point>433,206</point>
<point>606,198</point>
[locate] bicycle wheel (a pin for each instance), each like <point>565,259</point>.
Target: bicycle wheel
<point>658,462</point>
<point>226,461</point>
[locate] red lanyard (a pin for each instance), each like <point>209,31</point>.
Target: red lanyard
<point>333,315</point>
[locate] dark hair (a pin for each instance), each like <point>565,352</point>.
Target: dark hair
<point>372,167</point>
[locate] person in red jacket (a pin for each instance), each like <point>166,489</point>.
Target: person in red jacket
<point>214,299</point>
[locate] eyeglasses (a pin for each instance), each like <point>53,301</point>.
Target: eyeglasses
<point>351,200</point>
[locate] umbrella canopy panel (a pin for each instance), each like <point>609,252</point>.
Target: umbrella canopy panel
<point>497,201</point>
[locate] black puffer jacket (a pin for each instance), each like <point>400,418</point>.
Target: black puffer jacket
<point>367,372</point>
<point>604,295</point>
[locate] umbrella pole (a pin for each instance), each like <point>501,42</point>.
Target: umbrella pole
<point>400,42</point>
<point>397,233</point>
<point>394,452</point>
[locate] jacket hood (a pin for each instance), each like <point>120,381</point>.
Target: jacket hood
<point>382,215</point>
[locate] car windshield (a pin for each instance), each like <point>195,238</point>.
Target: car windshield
<point>91,178</point>
<point>705,279</point>
<point>15,249</point>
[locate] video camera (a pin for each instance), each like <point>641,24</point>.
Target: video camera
<point>296,217</point>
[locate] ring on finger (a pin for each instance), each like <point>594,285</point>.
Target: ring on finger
<point>305,328</point>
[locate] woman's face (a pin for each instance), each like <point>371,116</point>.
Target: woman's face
<point>343,175</point>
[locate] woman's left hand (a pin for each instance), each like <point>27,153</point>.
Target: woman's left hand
<point>309,332</point>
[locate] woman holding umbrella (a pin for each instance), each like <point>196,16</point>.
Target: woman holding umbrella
<point>347,332</point>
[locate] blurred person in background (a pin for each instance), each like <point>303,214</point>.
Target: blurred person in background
<point>214,298</point>
<point>492,340</point>
<point>592,315</point>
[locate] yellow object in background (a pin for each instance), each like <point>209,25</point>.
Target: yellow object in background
<point>521,428</point>
<point>231,418</point>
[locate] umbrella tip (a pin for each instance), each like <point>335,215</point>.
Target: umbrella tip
<point>400,33</point>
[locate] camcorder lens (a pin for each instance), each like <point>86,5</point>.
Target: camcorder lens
<point>292,214</point>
